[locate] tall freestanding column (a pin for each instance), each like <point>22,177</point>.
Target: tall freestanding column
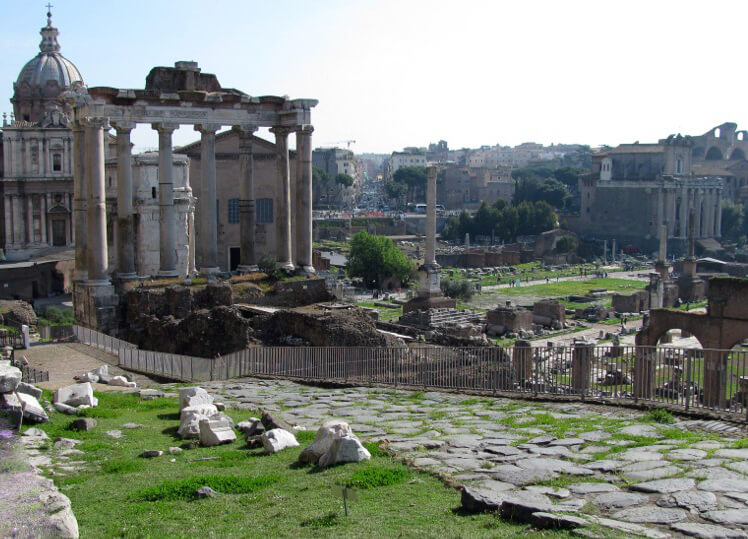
<point>699,205</point>
<point>304,199</point>
<point>683,214</point>
<point>283,199</point>
<point>208,217</point>
<point>79,202</point>
<point>718,209</point>
<point>125,231</point>
<point>96,210</point>
<point>430,255</point>
<point>167,216</point>
<point>247,211</point>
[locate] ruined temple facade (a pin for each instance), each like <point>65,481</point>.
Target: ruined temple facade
<point>635,189</point>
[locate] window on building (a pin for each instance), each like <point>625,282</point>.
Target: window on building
<point>264,211</point>
<point>153,192</point>
<point>56,162</point>
<point>233,211</point>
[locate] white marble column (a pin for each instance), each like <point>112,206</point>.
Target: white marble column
<point>79,203</point>
<point>304,199</point>
<point>247,209</point>
<point>167,215</point>
<point>208,217</point>
<point>283,200</point>
<point>125,220</point>
<point>96,210</point>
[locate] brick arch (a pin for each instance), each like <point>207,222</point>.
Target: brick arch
<point>663,320</point>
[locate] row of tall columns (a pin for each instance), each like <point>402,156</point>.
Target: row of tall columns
<point>90,200</point>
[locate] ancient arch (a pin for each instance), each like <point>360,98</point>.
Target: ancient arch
<point>737,155</point>
<point>714,154</point>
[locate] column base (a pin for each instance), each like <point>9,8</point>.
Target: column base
<point>288,267</point>
<point>131,276</point>
<point>168,273</point>
<point>247,269</point>
<point>80,275</point>
<point>209,271</point>
<point>97,282</point>
<point>305,270</point>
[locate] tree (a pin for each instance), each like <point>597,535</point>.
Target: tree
<point>569,176</point>
<point>732,221</point>
<point>396,190</point>
<point>566,244</point>
<point>415,179</point>
<point>344,179</point>
<point>376,258</point>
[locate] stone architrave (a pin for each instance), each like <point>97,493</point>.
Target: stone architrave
<point>283,199</point>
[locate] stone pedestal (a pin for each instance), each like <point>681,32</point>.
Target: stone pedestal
<point>644,373</point>
<point>581,366</point>
<point>95,306</point>
<point>522,363</point>
<point>429,292</point>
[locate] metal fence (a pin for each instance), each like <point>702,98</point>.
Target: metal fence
<point>11,338</point>
<point>686,378</point>
<point>57,333</point>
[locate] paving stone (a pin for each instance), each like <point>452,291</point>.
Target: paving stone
<point>595,435</point>
<point>628,527</point>
<point>503,450</point>
<point>515,475</point>
<point>645,465</point>
<point>463,440</point>
<point>650,514</point>
<point>685,454</point>
<point>727,516</point>
<point>593,449</point>
<point>639,455</point>
<point>724,485</point>
<point>707,531</point>
<point>690,499</point>
<point>543,521</point>
<point>567,442</point>
<point>552,492</point>
<point>665,486</point>
<point>741,467</point>
<point>732,453</point>
<point>552,451</point>
<point>485,499</point>
<point>423,462</point>
<point>619,500</point>
<point>650,475</point>
<point>707,463</point>
<point>592,488</point>
<point>641,430</point>
<point>463,463</point>
<point>740,496</point>
<point>554,465</point>
<point>707,445</point>
<point>715,473</point>
<point>604,465</point>
<point>542,440</point>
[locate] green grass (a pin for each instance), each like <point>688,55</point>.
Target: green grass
<point>119,494</point>
<point>575,288</point>
<point>660,415</point>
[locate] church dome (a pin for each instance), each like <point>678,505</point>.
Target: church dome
<point>44,77</point>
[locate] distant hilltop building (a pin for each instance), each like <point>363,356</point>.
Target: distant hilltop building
<point>634,189</point>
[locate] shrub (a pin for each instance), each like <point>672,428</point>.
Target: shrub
<point>266,264</point>
<point>659,415</point>
<point>458,289</point>
<point>184,489</point>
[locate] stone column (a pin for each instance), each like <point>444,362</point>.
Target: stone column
<point>698,205</point>
<point>662,256</point>
<point>660,209</point>
<point>43,218</point>
<point>613,251</point>
<point>167,217</point>
<point>304,199</point>
<point>670,213</point>
<point>283,200</point>
<point>96,209</point>
<point>247,211</point>
<point>718,225</point>
<point>644,372</point>
<point>581,366</point>
<point>522,364</point>
<point>683,214</point>
<point>125,220</point>
<point>208,217</point>
<point>29,219</point>
<point>8,205</point>
<point>430,255</point>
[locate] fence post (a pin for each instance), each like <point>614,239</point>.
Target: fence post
<point>522,364</point>
<point>581,367</point>
<point>644,372</point>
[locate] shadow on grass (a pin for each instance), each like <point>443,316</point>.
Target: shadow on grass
<point>169,417</point>
<point>172,431</point>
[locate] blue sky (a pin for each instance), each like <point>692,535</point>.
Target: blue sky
<point>391,73</point>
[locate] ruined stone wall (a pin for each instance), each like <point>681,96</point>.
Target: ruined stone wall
<point>512,319</point>
<point>632,303</point>
<point>291,294</point>
<point>550,309</point>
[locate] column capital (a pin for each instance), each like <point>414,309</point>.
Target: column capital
<point>77,127</point>
<point>305,129</point>
<point>123,127</point>
<point>96,121</point>
<point>207,129</point>
<point>165,127</point>
<point>245,130</point>
<point>282,130</point>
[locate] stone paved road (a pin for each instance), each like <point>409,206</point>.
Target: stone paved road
<point>608,465</point>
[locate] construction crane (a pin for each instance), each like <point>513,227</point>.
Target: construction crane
<point>346,142</point>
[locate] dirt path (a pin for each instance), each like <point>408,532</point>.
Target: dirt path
<point>65,360</point>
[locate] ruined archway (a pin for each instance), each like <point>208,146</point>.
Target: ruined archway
<point>737,155</point>
<point>714,154</point>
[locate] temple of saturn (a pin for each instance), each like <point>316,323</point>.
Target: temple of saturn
<point>173,97</point>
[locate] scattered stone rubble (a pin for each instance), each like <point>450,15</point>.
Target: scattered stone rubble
<point>334,444</point>
<point>102,376</point>
<point>71,399</point>
<point>18,398</point>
